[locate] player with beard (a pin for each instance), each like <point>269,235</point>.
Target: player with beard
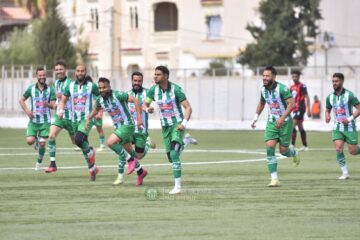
<point>42,98</point>
<point>279,124</point>
<point>342,102</point>
<point>116,104</point>
<point>170,99</point>
<point>81,93</point>
<point>61,83</point>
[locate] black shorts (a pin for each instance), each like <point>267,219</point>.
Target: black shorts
<point>299,115</point>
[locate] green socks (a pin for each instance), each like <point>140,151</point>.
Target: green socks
<point>176,164</point>
<point>271,160</point>
<point>340,157</point>
<point>41,154</point>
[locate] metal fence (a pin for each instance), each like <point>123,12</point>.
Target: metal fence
<point>215,95</point>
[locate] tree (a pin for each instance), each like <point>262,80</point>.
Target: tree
<point>281,40</point>
<point>20,49</point>
<point>35,7</point>
<point>53,39</point>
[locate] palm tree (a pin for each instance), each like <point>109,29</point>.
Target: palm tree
<point>37,8</point>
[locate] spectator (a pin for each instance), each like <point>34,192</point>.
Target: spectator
<point>316,108</point>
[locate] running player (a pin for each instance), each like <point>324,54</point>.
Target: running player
<point>81,94</point>
<point>341,102</point>
<point>42,98</point>
<point>115,103</point>
<point>279,123</point>
<point>170,98</point>
<point>62,81</point>
<point>302,103</point>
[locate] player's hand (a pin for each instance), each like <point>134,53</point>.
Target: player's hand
<point>180,127</point>
<point>98,117</point>
<point>61,115</point>
<point>344,121</point>
<point>30,114</point>
<point>308,113</point>
<point>139,124</point>
<point>150,110</point>
<point>280,122</point>
<point>253,124</point>
<point>86,124</point>
<point>327,119</point>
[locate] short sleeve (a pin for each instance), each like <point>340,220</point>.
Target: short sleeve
<point>328,104</point>
<point>122,96</point>
<point>286,93</point>
<point>150,94</point>
<point>27,93</point>
<point>52,94</point>
<point>304,89</point>
<point>354,100</point>
<point>95,90</point>
<point>179,94</point>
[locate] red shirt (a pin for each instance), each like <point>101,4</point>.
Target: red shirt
<point>299,91</point>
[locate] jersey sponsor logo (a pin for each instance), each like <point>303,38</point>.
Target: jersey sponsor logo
<point>167,109</point>
<point>40,103</point>
<point>39,99</point>
<point>294,93</point>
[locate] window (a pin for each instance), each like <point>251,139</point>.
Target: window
<point>134,19</point>
<point>94,19</point>
<point>214,24</point>
<point>166,17</point>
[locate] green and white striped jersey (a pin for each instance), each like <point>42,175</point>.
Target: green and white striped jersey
<point>117,107</point>
<point>141,96</point>
<point>81,97</point>
<point>37,101</point>
<point>342,107</point>
<point>60,86</point>
<point>276,101</point>
<point>169,103</point>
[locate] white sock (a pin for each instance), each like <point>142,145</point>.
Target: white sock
<point>52,159</point>
<point>344,170</point>
<point>274,175</point>
<point>177,182</point>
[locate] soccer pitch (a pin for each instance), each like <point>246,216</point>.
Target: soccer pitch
<point>225,193</point>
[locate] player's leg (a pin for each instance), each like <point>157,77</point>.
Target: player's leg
<point>43,135</point>
<point>340,157</point>
<point>100,130</point>
<point>123,135</point>
<point>141,145</point>
<point>302,132</point>
<point>272,135</point>
<point>81,140</point>
<point>284,140</point>
<point>55,128</point>
<point>140,171</point>
<point>32,132</point>
<point>352,141</point>
<point>176,145</point>
<point>294,131</point>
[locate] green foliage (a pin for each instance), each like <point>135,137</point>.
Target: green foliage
<point>52,39</point>
<point>20,49</point>
<point>280,41</point>
<point>217,67</point>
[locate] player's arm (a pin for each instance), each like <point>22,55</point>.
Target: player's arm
<point>138,109</point>
<point>62,104</point>
<point>346,121</point>
<point>25,108</point>
<point>290,106</point>
<point>259,109</point>
<point>307,101</point>
<point>328,110</point>
<point>188,111</point>
<point>91,116</point>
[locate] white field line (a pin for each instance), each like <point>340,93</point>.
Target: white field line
<point>163,164</point>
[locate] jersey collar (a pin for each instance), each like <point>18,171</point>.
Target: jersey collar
<point>168,87</point>
<point>37,86</point>
<point>273,87</point>
<point>341,93</point>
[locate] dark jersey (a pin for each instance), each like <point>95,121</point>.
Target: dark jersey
<point>299,91</point>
